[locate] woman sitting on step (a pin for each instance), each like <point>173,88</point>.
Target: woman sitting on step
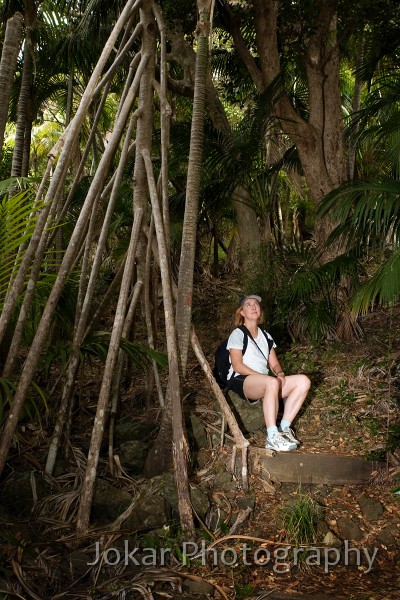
<point>249,375</point>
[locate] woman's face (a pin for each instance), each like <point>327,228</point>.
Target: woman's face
<point>251,309</point>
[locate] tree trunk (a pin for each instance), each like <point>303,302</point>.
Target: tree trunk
<point>102,411</point>
<point>23,107</point>
<point>8,65</point>
<point>159,457</point>
<point>188,245</point>
<point>166,112</point>
<point>184,54</point>
<point>248,229</point>
<point>26,156</point>
<point>358,85</point>
<point>319,140</point>
<point>83,316</point>
<point>180,448</point>
<point>73,248</point>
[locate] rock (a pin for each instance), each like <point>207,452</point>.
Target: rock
<point>247,501</point>
<point>198,431</point>
<point>331,541</point>
<point>202,457</point>
<point>349,530</point>
<point>61,467</point>
<point>198,497</point>
<point>387,536</point>
<point>215,517</point>
<point>133,454</point>
<point>215,439</point>
<point>126,431</point>
<point>222,479</point>
<point>150,512</point>
<point>249,416</point>
<point>371,509</point>
<point>198,587</point>
<point>108,502</point>
<point>17,493</point>
<point>168,490</point>
<point>322,529</point>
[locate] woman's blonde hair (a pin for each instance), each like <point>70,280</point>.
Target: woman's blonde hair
<point>239,318</point>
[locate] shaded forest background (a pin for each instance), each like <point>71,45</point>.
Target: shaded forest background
<point>151,150</point>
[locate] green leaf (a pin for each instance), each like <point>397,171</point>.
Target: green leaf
<point>18,215</point>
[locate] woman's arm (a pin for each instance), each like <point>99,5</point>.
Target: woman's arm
<point>238,364</point>
<point>275,364</point>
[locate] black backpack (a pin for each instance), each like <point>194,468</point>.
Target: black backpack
<point>221,358</point>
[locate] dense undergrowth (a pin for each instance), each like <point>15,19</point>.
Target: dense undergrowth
<point>352,409</point>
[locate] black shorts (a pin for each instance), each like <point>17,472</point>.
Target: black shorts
<point>236,385</point>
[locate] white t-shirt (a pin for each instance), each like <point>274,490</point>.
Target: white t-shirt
<point>252,356</point>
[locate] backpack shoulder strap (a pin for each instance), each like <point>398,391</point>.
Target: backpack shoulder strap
<point>246,334</point>
<point>269,339</point>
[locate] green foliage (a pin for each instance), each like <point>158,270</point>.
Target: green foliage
<point>393,437</point>
<point>34,403</point>
<point>383,288</point>
<point>18,216</point>
<point>96,346</point>
<point>170,536</point>
<point>369,219</point>
<point>299,361</point>
<point>367,211</point>
<point>300,520</point>
<point>245,590</point>
<point>301,296</point>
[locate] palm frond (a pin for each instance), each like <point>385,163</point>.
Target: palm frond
<point>17,222</point>
<point>365,211</point>
<point>142,356</point>
<point>382,288</point>
<point>8,186</point>
<point>8,387</point>
<point>308,296</point>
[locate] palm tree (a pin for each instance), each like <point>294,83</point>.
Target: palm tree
<point>8,64</point>
<point>188,245</point>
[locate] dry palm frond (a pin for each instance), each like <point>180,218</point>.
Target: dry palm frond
<point>144,581</point>
<point>11,593</point>
<point>18,572</point>
<point>62,506</point>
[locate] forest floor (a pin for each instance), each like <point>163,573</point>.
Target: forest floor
<point>352,410</point>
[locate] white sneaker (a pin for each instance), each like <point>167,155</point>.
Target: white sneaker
<point>279,443</point>
<point>289,435</point>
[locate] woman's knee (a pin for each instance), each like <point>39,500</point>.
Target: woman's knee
<point>272,384</point>
<point>260,385</point>
<point>304,382</point>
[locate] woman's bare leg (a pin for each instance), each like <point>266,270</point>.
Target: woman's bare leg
<point>267,388</point>
<point>294,390</point>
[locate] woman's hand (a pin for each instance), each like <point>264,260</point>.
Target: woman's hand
<point>281,377</point>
